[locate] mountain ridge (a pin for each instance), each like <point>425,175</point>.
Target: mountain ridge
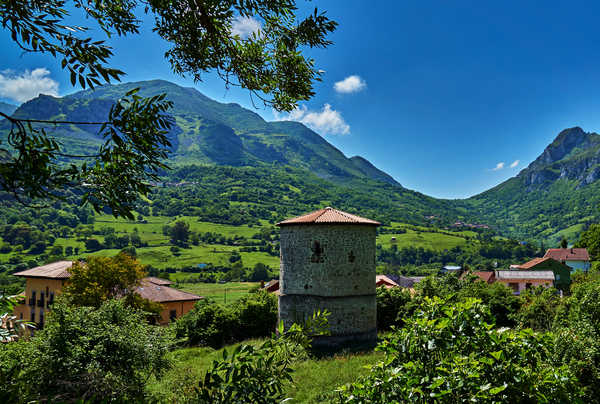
<point>206,131</point>
<point>554,195</point>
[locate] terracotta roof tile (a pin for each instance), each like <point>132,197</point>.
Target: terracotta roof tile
<point>532,263</point>
<point>56,270</point>
<point>568,254</point>
<point>486,276</point>
<point>163,294</point>
<point>328,216</point>
<point>158,281</point>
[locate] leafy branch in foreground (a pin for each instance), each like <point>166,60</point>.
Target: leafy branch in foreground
<point>133,153</point>
<point>259,374</point>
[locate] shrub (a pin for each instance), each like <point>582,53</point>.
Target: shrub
<point>208,323</point>
<point>259,374</point>
<point>256,315</point>
<point>392,306</point>
<point>214,325</point>
<point>450,352</point>
<point>85,353</point>
<point>539,309</point>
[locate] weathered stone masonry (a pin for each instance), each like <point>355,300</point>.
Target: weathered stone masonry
<point>330,266</point>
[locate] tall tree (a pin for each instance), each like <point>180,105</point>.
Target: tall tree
<point>270,63</point>
<point>105,278</point>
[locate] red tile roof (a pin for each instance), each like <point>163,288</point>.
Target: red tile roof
<point>383,280</point>
<point>530,264</point>
<point>158,281</point>
<point>328,216</point>
<point>162,294</point>
<point>568,254</point>
<point>56,270</point>
<point>486,276</point>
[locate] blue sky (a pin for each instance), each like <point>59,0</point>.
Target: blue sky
<point>443,93</point>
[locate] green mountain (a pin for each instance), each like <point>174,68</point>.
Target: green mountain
<point>7,108</point>
<point>206,132</point>
<point>557,194</point>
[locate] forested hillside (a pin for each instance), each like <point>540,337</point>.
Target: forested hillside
<point>556,195</point>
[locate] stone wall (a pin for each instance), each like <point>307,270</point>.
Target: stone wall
<point>330,267</point>
<point>328,260</point>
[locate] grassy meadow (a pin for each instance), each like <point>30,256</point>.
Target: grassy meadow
<point>315,380</point>
<point>158,252</point>
<point>225,293</point>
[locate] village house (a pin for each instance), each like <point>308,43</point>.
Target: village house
<point>562,272</point>
<point>521,280</point>
<point>44,283</point>
<point>577,258</point>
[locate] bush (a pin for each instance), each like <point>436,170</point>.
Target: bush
<point>450,352</point>
<point>539,309</point>
<point>214,325</point>
<point>208,323</point>
<point>256,315</point>
<point>577,334</point>
<point>85,353</point>
<point>392,306</point>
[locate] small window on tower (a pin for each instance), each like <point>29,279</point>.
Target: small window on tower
<point>351,257</point>
<point>317,252</point>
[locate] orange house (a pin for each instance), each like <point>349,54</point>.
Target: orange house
<point>44,283</point>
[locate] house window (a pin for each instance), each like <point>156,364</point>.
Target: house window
<point>173,314</point>
<point>41,323</point>
<point>528,285</point>
<point>32,298</point>
<point>351,257</point>
<point>317,252</point>
<point>514,286</point>
<point>32,317</point>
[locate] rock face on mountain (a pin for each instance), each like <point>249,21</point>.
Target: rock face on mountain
<point>204,131</point>
<point>557,194</point>
<point>573,155</point>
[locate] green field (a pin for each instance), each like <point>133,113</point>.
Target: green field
<point>225,293</point>
<point>158,252</point>
<point>426,239</point>
<point>315,380</point>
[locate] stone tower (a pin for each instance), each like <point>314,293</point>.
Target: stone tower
<point>328,263</point>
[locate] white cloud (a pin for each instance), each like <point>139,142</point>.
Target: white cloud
<point>499,166</point>
<point>350,84</point>
<point>245,26</point>
<point>326,122</point>
<point>514,163</point>
<point>27,85</point>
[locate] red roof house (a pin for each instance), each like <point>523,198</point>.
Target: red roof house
<point>576,258</point>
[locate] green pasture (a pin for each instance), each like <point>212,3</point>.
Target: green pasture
<point>427,240</point>
<point>220,292</point>
<point>315,380</point>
